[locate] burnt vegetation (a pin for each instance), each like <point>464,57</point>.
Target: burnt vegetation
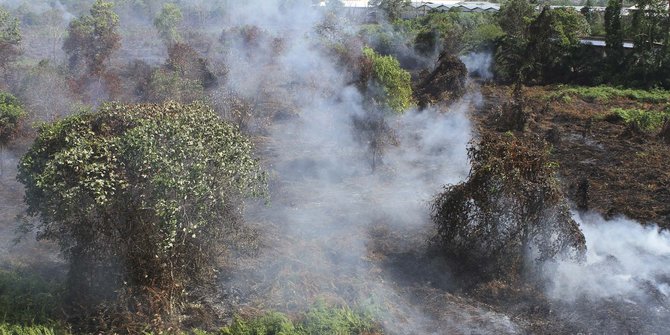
<point>509,215</point>
<point>294,167</point>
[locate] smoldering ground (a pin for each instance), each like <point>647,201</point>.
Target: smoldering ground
<point>334,229</point>
<point>623,285</point>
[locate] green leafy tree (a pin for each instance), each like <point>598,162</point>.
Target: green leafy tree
<point>10,38</point>
<point>167,23</point>
<point>553,37</point>
<point>514,18</point>
<point>392,8</point>
<point>650,33</point>
<point>390,86</point>
<point>93,38</point>
<point>142,200</point>
<point>614,36</point>
<point>11,114</point>
<point>588,13</point>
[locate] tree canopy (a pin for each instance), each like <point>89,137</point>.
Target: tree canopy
<point>392,86</point>
<point>392,8</point>
<point>139,197</point>
<point>167,23</point>
<point>10,38</point>
<point>93,38</point>
<point>11,113</point>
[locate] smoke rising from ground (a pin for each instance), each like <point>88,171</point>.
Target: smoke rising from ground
<point>333,223</point>
<point>624,258</point>
<point>479,64</point>
<point>335,229</point>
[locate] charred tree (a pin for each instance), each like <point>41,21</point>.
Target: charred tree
<point>509,215</point>
<point>445,83</point>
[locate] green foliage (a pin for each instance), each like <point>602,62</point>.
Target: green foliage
<point>319,320</point>
<point>27,298</point>
<point>392,8</point>
<point>144,196</point>
<point>272,323</point>
<point>538,49</point>
<point>649,28</point>
<point>93,38</point>
<point>614,34</point>
<point>170,85</point>
<point>514,17</point>
<point>643,119</point>
<point>604,93</point>
<point>325,320</point>
<point>7,329</point>
<point>394,82</point>
<point>10,38</point>
<point>11,114</point>
<point>455,32</point>
<point>167,23</point>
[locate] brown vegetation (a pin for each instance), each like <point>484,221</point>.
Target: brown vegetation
<point>445,84</point>
<point>626,171</point>
<point>508,214</point>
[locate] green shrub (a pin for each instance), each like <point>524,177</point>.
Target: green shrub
<point>11,113</point>
<point>393,80</point>
<point>142,199</point>
<point>645,120</point>
<point>272,323</point>
<point>26,298</point>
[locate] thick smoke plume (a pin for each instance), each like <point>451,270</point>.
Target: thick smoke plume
<point>623,285</point>
<point>333,224</point>
<point>335,229</point>
<point>624,259</point>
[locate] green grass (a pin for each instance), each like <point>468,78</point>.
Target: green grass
<point>6,329</point>
<point>29,305</point>
<point>319,320</point>
<point>645,120</point>
<point>604,93</point>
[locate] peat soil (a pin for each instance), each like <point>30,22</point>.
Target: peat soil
<point>604,165</point>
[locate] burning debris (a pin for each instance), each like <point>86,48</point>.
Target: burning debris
<point>444,84</point>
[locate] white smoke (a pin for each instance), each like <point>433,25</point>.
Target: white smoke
<point>329,209</point>
<point>479,64</point>
<point>624,258</point>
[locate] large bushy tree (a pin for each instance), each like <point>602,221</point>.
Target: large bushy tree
<point>141,199</point>
<point>385,82</point>
<point>614,35</point>
<point>514,17</point>
<point>93,38</point>
<point>554,36</point>
<point>537,49</point>
<point>650,33</point>
<point>10,38</point>
<point>510,213</point>
<point>167,23</point>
